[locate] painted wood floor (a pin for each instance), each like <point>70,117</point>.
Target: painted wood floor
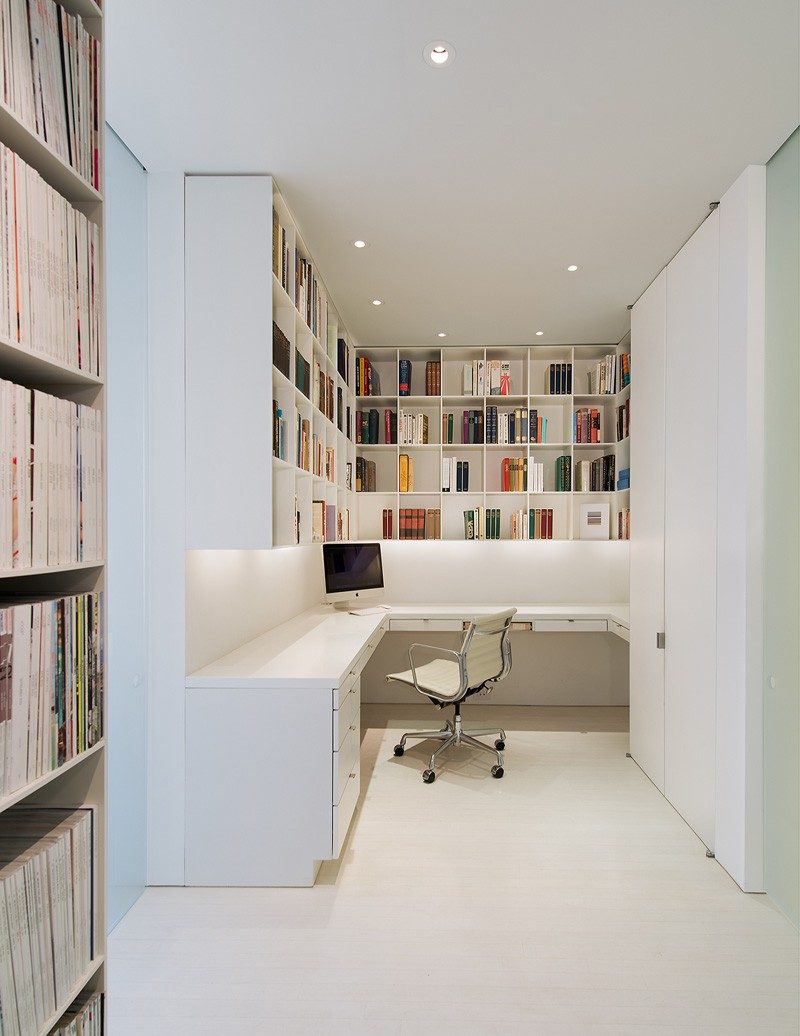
<point>568,897</point>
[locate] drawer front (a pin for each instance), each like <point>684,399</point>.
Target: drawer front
<point>343,813</point>
<point>340,693</point>
<point>343,716</point>
<point>345,761</point>
<point>620,630</point>
<point>571,625</point>
<point>425,625</point>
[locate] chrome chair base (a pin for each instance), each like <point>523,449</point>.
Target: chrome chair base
<point>453,735</point>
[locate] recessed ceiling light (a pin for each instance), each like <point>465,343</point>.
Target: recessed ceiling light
<point>360,243</point>
<point>540,332</point>
<point>439,53</point>
<point>441,334</point>
<point>572,268</point>
<point>377,302</point>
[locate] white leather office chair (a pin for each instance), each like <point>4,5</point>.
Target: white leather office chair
<point>483,659</point>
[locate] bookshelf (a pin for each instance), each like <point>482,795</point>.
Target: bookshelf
<point>282,339</point>
<point>51,775</point>
<point>529,370</point>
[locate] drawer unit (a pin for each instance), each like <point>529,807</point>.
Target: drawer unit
<point>619,629</point>
<point>343,716</point>
<point>343,812</point>
<point>340,693</point>
<point>425,625</point>
<point>363,655</point>
<point>345,761</point>
<point>571,625</point>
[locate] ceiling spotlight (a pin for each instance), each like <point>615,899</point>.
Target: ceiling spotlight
<point>441,334</point>
<point>438,54</point>
<point>540,333</point>
<point>572,268</point>
<point>360,244</point>
<point>377,302</point>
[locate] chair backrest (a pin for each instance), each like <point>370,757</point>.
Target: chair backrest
<point>487,647</point>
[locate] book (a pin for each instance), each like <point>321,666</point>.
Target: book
<point>387,523</point>
<point>586,425</point>
<point>404,377</point>
<point>505,378</point>
<point>280,350</point>
<point>493,377</point>
<point>83,1018</point>
<point>623,421</point>
<point>433,378</point>
<point>406,473</point>
<point>558,379</point>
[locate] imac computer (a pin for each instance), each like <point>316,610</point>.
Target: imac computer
<point>353,573</point>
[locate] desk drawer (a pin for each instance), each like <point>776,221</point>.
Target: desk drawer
<point>619,629</point>
<point>571,625</point>
<point>366,651</point>
<point>343,812</point>
<point>425,625</point>
<point>340,693</point>
<point>345,761</point>
<point>343,716</point>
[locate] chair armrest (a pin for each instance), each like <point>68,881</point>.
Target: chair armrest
<point>436,650</point>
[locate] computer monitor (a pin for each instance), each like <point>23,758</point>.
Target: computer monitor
<point>353,572</point>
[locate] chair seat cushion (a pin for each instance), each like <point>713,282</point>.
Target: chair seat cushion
<point>440,678</point>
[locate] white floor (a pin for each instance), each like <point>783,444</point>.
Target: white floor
<point>568,897</point>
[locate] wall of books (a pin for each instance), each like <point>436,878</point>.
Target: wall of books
<point>313,408</point>
<point>52,518</point>
<point>528,442</point>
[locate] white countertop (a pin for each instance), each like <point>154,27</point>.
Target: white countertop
<point>319,647</point>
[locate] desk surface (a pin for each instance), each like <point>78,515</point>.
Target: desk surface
<point>318,648</point>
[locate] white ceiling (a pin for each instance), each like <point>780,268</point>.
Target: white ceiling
<point>592,132</point>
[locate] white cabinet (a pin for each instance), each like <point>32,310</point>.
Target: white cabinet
<point>690,528</point>
<point>648,354</point>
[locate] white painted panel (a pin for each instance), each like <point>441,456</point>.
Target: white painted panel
<point>571,625</point>
<point>740,552</point>
<point>228,371</point>
<point>690,563</point>
<point>166,534</point>
<point>648,348</point>
<point>126,249</point>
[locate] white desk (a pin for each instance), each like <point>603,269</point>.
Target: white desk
<point>273,736</point>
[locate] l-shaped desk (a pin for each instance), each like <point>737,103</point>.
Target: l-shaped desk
<point>273,735</point>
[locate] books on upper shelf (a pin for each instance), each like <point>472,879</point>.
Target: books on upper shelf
<point>323,459</point>
<point>603,377</point>
<point>328,524</point>
<point>368,379</point>
<point>472,426</point>
<point>52,657</point>
<point>366,475</point>
<point>406,473</point>
<point>624,420</point>
<point>514,474</point>
<point>278,431</point>
<point>280,350</point>
<point>534,524</point>
<point>302,374</point>
<point>322,392</point>
<point>586,425</point>
<point>46,911</point>
<point>623,371</point>
<point>535,476</point>
<point>50,281</point>
<point>433,378</point>
<point>84,1017</point>
<point>455,475</point>
<point>482,523</point>
<point>595,476</point>
<point>624,479</point>
<point>404,377</point>
<point>51,480</point>
<point>50,79</point>
<point>564,474</point>
<point>558,379</point>
<point>474,378</point>
<point>412,428</point>
<point>498,378</point>
<point>303,443</point>
<point>343,359</point>
<point>419,523</point>
<point>387,523</point>
<point>309,297</point>
<point>515,426</point>
<point>281,257</point>
<point>624,523</point>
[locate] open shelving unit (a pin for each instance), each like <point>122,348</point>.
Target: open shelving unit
<point>81,780</point>
<point>529,390</point>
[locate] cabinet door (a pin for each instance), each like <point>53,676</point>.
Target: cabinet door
<point>691,528</point>
<point>648,345</point>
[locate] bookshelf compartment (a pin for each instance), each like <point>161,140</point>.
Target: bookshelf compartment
<point>417,418</point>
<point>385,470</point>
<point>384,364</point>
<point>589,412</point>
<point>494,468</point>
<point>426,467</point>
<point>472,460</point>
<point>506,373</point>
<point>419,384</point>
<point>453,361</point>
<point>541,359</point>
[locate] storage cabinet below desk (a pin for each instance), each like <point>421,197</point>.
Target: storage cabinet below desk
<point>273,780</point>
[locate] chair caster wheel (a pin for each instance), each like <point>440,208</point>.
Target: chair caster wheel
<point>398,749</point>
<point>499,744</point>
<point>497,771</point>
<point>428,776</point>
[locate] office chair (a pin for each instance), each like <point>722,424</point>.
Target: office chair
<point>483,659</point>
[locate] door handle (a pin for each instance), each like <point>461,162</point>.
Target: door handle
<point>660,640</point>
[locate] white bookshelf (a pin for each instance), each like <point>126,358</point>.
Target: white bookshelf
<point>232,381</point>
<point>81,780</point>
<point>529,391</point>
